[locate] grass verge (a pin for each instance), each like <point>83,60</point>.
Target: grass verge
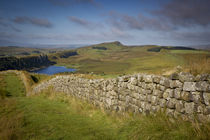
<point>56,116</point>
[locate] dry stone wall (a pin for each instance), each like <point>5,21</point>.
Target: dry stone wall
<point>179,95</point>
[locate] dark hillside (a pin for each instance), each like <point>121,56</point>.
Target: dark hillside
<point>26,63</point>
<point>158,49</point>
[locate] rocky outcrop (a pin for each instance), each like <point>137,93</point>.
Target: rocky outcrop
<point>180,95</point>
<point>24,63</point>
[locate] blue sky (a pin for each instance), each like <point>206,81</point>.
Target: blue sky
<point>132,22</point>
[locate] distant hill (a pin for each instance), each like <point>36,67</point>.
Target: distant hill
<point>20,51</point>
<point>204,47</point>
<point>58,46</point>
<point>114,58</point>
<point>158,49</point>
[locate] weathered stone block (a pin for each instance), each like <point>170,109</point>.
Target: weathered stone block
<point>148,108</point>
<point>186,77</point>
<point>206,97</point>
<point>133,80</point>
<point>137,89</point>
<point>151,86</point>
<point>156,79</point>
<point>202,77</point>
<point>187,96</point>
<point>177,93</point>
<point>202,86</point>
<point>148,78</point>
<point>189,86</point>
<point>180,106</point>
<point>143,85</point>
<point>189,107</point>
<point>162,103</point>
<point>165,82</point>
<point>200,109</point>
<point>171,103</point>
<point>157,92</point>
<point>149,98</point>
<point>169,93</point>
<point>142,97</point>
<point>196,97</point>
<point>109,102</point>
<point>166,95</point>
<point>207,110</point>
<point>140,77</point>
<point>154,100</point>
<point>175,84</point>
<point>127,99</point>
<point>130,86</point>
<point>147,92</point>
<point>142,105</point>
<point>136,95</point>
<point>113,93</point>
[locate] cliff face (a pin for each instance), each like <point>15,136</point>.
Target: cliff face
<point>30,62</point>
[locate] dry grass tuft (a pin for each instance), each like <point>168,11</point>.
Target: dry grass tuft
<point>198,64</point>
<point>11,120</point>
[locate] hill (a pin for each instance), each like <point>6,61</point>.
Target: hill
<point>114,58</point>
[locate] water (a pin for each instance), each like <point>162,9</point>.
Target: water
<point>54,69</point>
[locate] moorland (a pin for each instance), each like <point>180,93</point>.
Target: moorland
<point>51,115</point>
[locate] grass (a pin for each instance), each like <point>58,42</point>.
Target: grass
<point>12,84</point>
<point>197,64</point>
<point>188,51</point>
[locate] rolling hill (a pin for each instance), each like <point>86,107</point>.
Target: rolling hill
<point>114,58</point>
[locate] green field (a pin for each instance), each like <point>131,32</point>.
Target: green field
<point>55,116</point>
<point>117,59</point>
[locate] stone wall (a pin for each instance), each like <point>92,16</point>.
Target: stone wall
<point>179,95</point>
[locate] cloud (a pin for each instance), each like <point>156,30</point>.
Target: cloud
<point>140,22</point>
<point>6,35</point>
<point>73,2</point>
<point>186,12</point>
<point>112,34</point>
<point>132,22</point>
<point>80,21</point>
<point>85,23</point>
<point>31,20</point>
<point>4,23</point>
<point>194,38</point>
<point>115,33</point>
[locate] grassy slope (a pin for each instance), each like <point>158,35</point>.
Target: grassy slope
<point>55,116</point>
<point>119,59</point>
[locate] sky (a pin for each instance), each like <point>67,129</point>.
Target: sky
<point>132,22</point>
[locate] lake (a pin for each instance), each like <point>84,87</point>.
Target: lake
<point>54,69</point>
